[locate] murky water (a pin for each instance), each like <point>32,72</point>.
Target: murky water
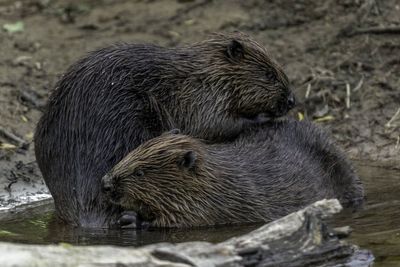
<point>375,227</point>
<point>42,229</point>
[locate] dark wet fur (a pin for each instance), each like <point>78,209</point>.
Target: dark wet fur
<point>118,97</point>
<point>265,174</point>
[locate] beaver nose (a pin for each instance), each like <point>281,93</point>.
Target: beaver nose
<point>106,184</point>
<point>291,101</point>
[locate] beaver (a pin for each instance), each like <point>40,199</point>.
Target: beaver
<point>175,180</point>
<point>116,98</point>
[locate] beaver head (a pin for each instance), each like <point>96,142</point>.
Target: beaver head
<point>229,81</point>
<point>168,182</point>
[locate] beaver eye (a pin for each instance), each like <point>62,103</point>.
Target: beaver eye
<point>270,75</point>
<point>139,173</point>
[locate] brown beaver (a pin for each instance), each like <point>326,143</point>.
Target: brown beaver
<point>116,98</point>
<point>178,181</point>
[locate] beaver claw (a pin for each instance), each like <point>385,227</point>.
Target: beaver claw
<point>128,219</point>
<point>131,220</point>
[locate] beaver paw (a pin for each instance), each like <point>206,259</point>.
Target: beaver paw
<point>130,220</point>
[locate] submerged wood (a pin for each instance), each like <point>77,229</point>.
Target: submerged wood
<point>299,239</point>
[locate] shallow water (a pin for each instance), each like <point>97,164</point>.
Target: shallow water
<point>375,227</point>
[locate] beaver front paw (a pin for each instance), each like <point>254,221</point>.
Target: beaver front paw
<point>131,220</point>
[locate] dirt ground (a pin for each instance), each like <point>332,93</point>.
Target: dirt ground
<point>343,58</point>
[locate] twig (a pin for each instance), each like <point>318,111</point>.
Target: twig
<point>377,8</point>
<point>358,18</point>
<point>359,84</point>
<point>365,9</point>
<point>308,91</point>
<point>376,30</point>
<point>32,99</point>
<point>389,123</point>
<point>12,137</point>
<point>348,94</point>
<point>185,10</point>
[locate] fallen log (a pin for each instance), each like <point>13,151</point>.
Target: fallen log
<point>299,239</point>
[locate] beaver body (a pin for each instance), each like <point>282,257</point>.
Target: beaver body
<point>178,181</point>
<point>116,98</point>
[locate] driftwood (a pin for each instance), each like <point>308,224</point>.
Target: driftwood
<point>299,239</point>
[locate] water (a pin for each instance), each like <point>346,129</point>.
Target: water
<point>375,227</point>
<point>43,229</point>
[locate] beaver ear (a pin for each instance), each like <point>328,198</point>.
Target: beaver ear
<point>188,160</point>
<point>235,50</point>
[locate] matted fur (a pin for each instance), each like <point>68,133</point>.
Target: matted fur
<point>116,98</point>
<point>265,174</point>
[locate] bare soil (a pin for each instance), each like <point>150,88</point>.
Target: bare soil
<point>343,58</point>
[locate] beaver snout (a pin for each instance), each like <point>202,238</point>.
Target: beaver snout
<point>291,101</point>
<point>285,105</point>
<point>110,188</point>
<point>106,184</point>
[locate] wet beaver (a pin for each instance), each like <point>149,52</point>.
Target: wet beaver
<point>118,97</point>
<point>178,181</point>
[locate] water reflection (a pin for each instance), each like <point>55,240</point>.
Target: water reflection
<point>142,237</point>
<point>44,229</point>
<point>377,225</point>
